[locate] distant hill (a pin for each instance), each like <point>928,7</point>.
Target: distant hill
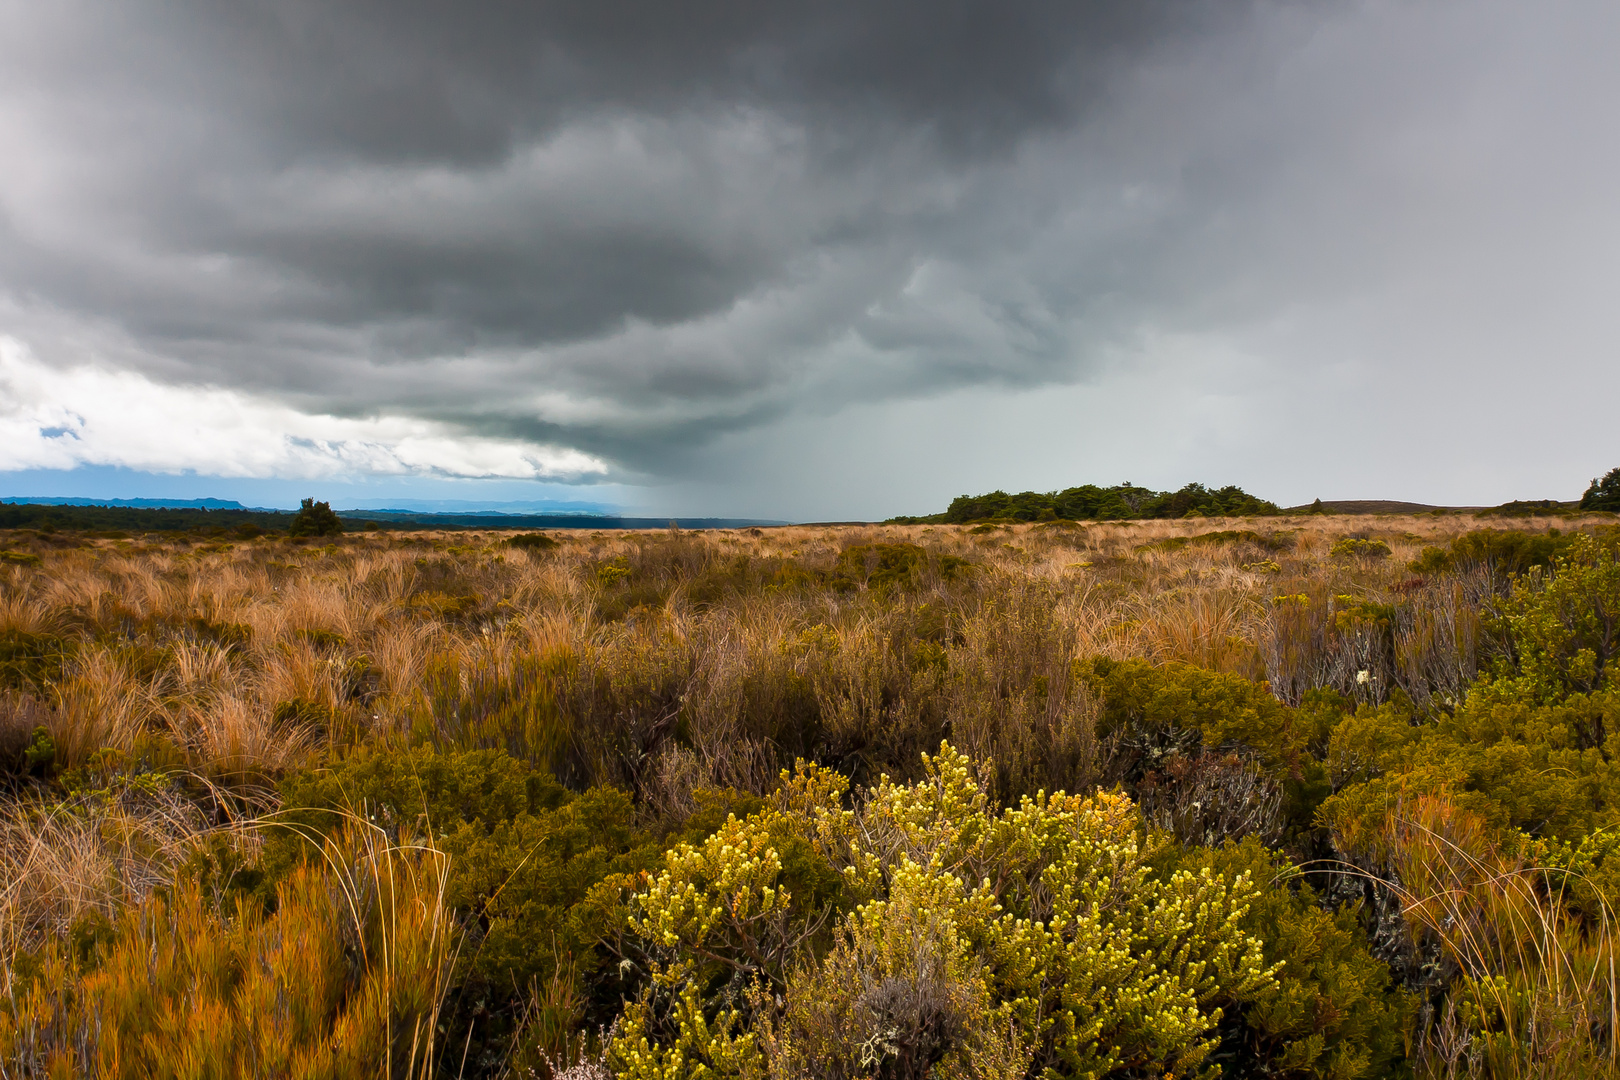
<point>119,516</point>
<point>144,504</point>
<point>1391,506</point>
<point>1372,506</point>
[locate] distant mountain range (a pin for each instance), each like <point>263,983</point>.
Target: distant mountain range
<point>469,506</point>
<point>144,504</point>
<point>167,515</point>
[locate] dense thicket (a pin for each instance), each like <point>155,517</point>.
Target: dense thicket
<point>1044,800</point>
<point>1092,503</point>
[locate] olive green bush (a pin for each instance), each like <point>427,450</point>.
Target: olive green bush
<point>1160,717</point>
<point>1333,1012</point>
<point>1534,743</point>
<point>1506,551</point>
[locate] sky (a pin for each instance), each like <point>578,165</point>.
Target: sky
<point>826,261</point>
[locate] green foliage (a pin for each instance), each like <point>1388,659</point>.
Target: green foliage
<point>532,542</point>
<point>528,861</point>
<point>1195,500</point>
<point>19,558</point>
<point>1507,551</point>
<point>1564,626</point>
<point>1272,542</point>
<point>112,521</point>
<point>1533,748</point>
<point>315,519</point>
<point>1151,703</point>
<point>884,568</point>
<point>1352,547</point>
<point>1092,503</point>
<point>1164,714</point>
<point>419,787</point>
<point>976,943</point>
<point>40,755</point>
<point>1603,494</point>
<point>1432,560</point>
<point>1333,1013</point>
<point>33,661</point>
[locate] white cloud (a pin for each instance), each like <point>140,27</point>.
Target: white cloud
<point>59,418</point>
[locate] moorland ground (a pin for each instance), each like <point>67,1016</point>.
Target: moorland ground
<point>779,802</point>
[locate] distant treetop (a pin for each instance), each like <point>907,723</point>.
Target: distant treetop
<point>1092,503</point>
<point>1604,494</point>
<point>315,519</point>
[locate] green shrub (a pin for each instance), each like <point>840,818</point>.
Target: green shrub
<point>884,568</point>
<point>1271,541</point>
<point>1564,627</point>
<point>315,519</point>
<point>978,944</point>
<point>1532,745</point>
<point>1433,560</point>
<point>1146,701</point>
<point>1507,551</point>
<point>1352,547</point>
<point>1515,764</point>
<point>33,661</point>
<point>1333,1013</point>
<point>1160,712</point>
<point>532,542</point>
<point>1092,503</point>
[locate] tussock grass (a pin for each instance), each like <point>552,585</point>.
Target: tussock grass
<point>163,688</point>
<point>1535,991</point>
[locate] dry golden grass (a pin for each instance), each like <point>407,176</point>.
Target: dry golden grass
<point>659,661</point>
<point>203,646</point>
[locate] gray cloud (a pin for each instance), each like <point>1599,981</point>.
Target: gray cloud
<point>632,230</point>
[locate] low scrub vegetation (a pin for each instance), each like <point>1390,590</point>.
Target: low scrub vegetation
<point>1287,796</point>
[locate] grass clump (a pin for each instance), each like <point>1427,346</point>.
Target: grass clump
<point>344,978</point>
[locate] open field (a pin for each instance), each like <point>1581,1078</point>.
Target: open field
<point>425,783</point>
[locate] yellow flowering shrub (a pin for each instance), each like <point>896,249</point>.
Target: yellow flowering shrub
<point>960,942</point>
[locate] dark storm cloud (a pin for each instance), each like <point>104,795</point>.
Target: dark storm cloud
<point>627,229</point>
<point>434,81</point>
<point>434,207</point>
